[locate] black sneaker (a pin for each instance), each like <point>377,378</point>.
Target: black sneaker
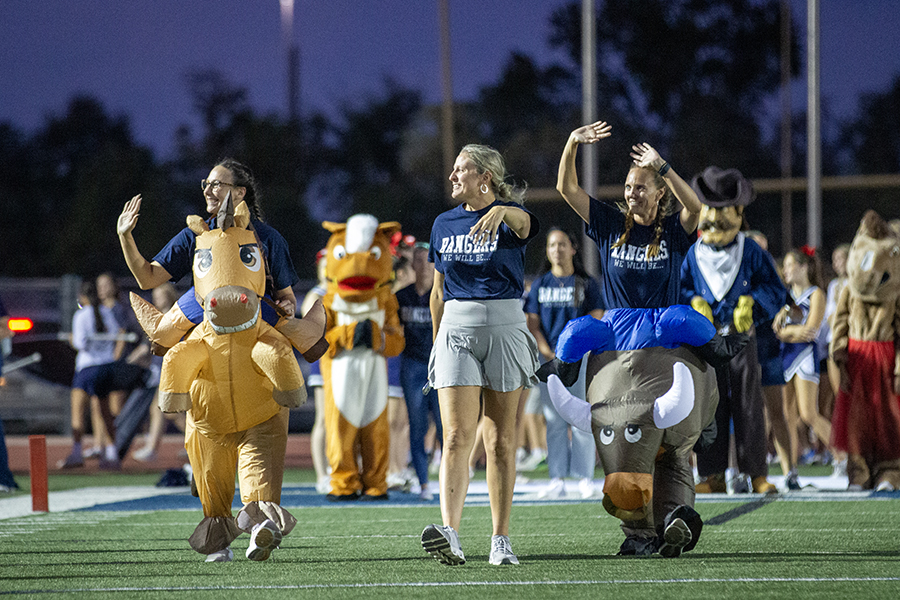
<point>677,535</point>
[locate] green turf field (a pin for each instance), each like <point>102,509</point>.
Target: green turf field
<point>757,548</point>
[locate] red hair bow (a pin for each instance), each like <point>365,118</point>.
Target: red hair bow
<point>398,239</point>
<point>810,251</point>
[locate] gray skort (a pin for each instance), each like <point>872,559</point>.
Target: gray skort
<point>483,343</point>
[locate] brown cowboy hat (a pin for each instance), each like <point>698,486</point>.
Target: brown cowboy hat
<point>722,187</point>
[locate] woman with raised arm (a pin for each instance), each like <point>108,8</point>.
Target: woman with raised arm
<point>642,240</point>
<point>482,349</point>
<point>174,261</point>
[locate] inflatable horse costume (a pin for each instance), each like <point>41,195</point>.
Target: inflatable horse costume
<point>236,376</point>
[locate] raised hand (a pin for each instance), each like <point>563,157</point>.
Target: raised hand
<point>128,218</point>
<point>644,155</point>
<point>593,133</point>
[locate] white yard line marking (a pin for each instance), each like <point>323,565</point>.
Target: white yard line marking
<point>427,584</point>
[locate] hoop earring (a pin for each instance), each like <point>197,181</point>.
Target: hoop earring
<point>484,188</point>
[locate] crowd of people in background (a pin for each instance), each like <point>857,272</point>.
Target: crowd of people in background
<point>464,391</point>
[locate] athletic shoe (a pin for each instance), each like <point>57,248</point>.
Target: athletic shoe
<point>676,536</point>
<point>839,468</point>
<point>94,452</point>
<point>637,546</point>
<point>264,537</point>
<point>442,542</point>
<point>791,482</point>
<point>72,461</point>
<point>501,551</point>
<point>740,484</point>
<point>554,491</point>
<point>532,461</point>
<point>323,485</point>
<point>426,494</point>
<point>224,555</point>
<point>399,482</point>
<point>586,487</point>
<point>145,454</point>
<point>5,489</point>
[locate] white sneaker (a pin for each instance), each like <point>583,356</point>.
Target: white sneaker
<point>145,454</point>
<point>586,487</point>
<point>434,467</point>
<point>442,542</point>
<point>501,551</point>
<point>554,491</point>
<point>224,555</point>
<point>839,468</point>
<point>323,485</point>
<point>426,494</point>
<point>532,461</point>
<point>264,537</point>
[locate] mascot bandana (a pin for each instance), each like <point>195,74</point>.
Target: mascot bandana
<point>363,328</point>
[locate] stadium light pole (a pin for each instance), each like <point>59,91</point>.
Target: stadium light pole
<point>293,59</point>
<point>589,156</point>
<point>447,141</point>
<point>813,128</point>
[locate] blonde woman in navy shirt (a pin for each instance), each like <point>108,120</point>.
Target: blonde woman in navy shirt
<point>482,346</point>
<point>642,240</point>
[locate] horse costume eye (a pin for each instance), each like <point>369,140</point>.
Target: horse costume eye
<point>202,261</point>
<point>339,252</point>
<point>607,435</point>
<point>632,433</point>
<point>251,258</point>
<point>376,252</point>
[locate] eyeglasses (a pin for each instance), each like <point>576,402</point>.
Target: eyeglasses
<point>215,183</point>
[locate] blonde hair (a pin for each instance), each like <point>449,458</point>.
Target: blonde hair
<point>666,206</point>
<point>489,160</point>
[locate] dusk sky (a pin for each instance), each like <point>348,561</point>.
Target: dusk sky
<point>132,56</point>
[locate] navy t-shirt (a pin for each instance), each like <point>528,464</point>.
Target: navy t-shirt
<point>629,280</point>
<point>415,314</point>
<point>177,257</point>
<point>492,271</point>
<point>557,300</point>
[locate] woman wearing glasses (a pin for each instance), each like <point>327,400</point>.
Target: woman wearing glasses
<point>259,450</point>
<point>175,260</point>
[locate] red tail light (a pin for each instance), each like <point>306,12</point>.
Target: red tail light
<point>20,325</point>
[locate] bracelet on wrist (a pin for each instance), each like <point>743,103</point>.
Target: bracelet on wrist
<point>664,168</point>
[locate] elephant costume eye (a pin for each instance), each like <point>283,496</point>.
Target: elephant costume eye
<point>632,433</point>
<point>607,435</point>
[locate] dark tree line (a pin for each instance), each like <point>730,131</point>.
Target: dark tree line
<point>691,77</point>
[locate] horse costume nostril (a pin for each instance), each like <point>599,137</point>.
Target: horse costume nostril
<point>243,298</point>
<point>212,302</point>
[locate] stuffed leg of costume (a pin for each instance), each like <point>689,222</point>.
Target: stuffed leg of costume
<point>257,455</point>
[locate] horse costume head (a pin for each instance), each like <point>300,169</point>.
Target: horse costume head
<point>359,261</point>
<point>229,274</point>
<point>873,263</point>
